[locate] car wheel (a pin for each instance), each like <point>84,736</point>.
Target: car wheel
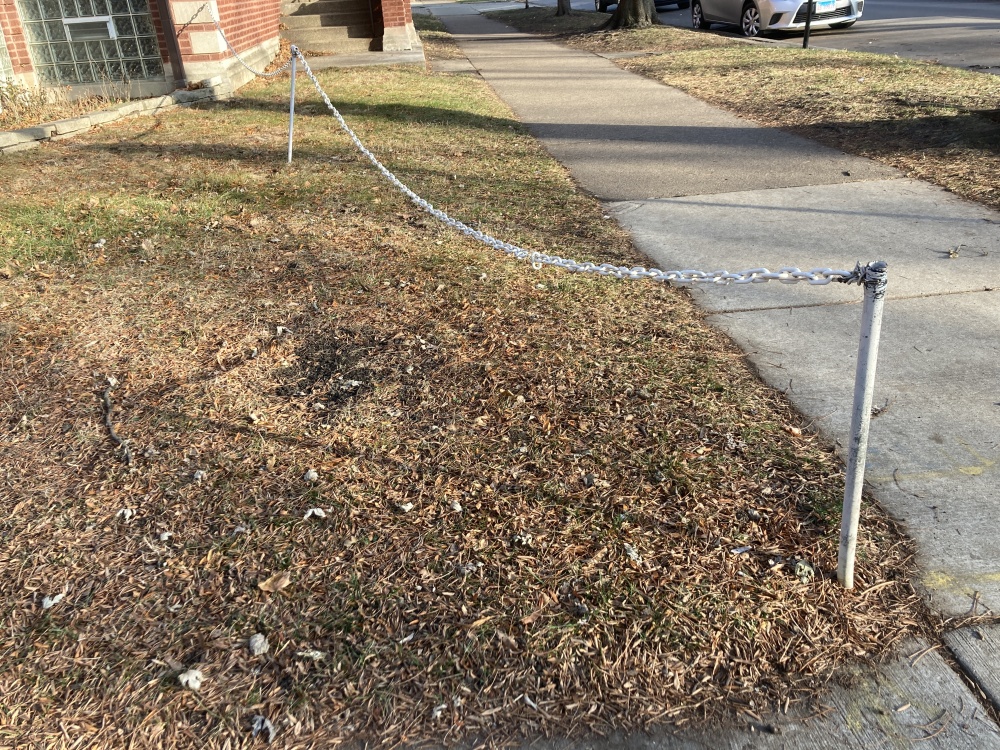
<point>750,20</point>
<point>697,16</point>
<point>847,25</point>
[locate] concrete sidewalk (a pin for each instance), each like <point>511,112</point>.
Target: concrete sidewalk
<point>699,188</point>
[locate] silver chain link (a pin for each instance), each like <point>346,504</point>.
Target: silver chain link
<point>785,274</point>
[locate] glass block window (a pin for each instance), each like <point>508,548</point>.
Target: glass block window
<point>6,68</point>
<point>91,41</point>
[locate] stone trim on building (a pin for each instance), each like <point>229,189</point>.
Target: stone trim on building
<point>396,21</point>
<point>12,141</point>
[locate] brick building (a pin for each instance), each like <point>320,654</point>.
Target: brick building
<point>150,47</point>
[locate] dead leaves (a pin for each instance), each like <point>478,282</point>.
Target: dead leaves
<point>535,522</point>
<point>545,602</point>
<point>275,583</point>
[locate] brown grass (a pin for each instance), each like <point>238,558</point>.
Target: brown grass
<point>533,482</point>
<point>933,122</point>
<point>438,43</point>
<point>22,107</point>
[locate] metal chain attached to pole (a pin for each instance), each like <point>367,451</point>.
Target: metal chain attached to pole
<point>787,274</point>
<point>872,277</point>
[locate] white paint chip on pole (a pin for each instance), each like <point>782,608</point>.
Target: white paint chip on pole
<point>873,278</point>
<point>291,106</point>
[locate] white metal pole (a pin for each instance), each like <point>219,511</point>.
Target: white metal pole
<point>291,105</point>
<point>873,277</point>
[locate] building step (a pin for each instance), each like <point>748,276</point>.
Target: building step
<point>346,18</point>
<point>339,39</point>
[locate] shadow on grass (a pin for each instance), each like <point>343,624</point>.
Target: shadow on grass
<point>222,152</point>
<point>399,113</point>
<point>976,130</point>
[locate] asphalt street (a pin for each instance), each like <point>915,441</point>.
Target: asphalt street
<point>960,34</point>
<point>963,34</point>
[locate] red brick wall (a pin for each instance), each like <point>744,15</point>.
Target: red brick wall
<point>13,33</point>
<point>246,23</point>
<point>161,39</point>
<point>394,12</point>
<point>390,13</point>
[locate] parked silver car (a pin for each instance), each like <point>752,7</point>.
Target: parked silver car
<point>755,16</point>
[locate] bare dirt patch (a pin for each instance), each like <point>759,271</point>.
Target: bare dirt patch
<point>550,503</point>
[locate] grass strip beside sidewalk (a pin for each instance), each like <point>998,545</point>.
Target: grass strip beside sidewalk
<point>932,122</point>
<point>438,43</point>
<point>532,482</point>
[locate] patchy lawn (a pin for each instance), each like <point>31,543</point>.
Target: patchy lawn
<point>550,503</point>
<point>932,122</point>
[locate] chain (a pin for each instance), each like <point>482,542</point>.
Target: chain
<point>191,21</point>
<point>242,62</point>
<point>786,275</point>
<point>236,54</point>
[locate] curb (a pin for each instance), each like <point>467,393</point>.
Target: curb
<point>12,141</point>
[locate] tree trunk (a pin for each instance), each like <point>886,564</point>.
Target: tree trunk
<point>633,14</point>
<point>563,8</point>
